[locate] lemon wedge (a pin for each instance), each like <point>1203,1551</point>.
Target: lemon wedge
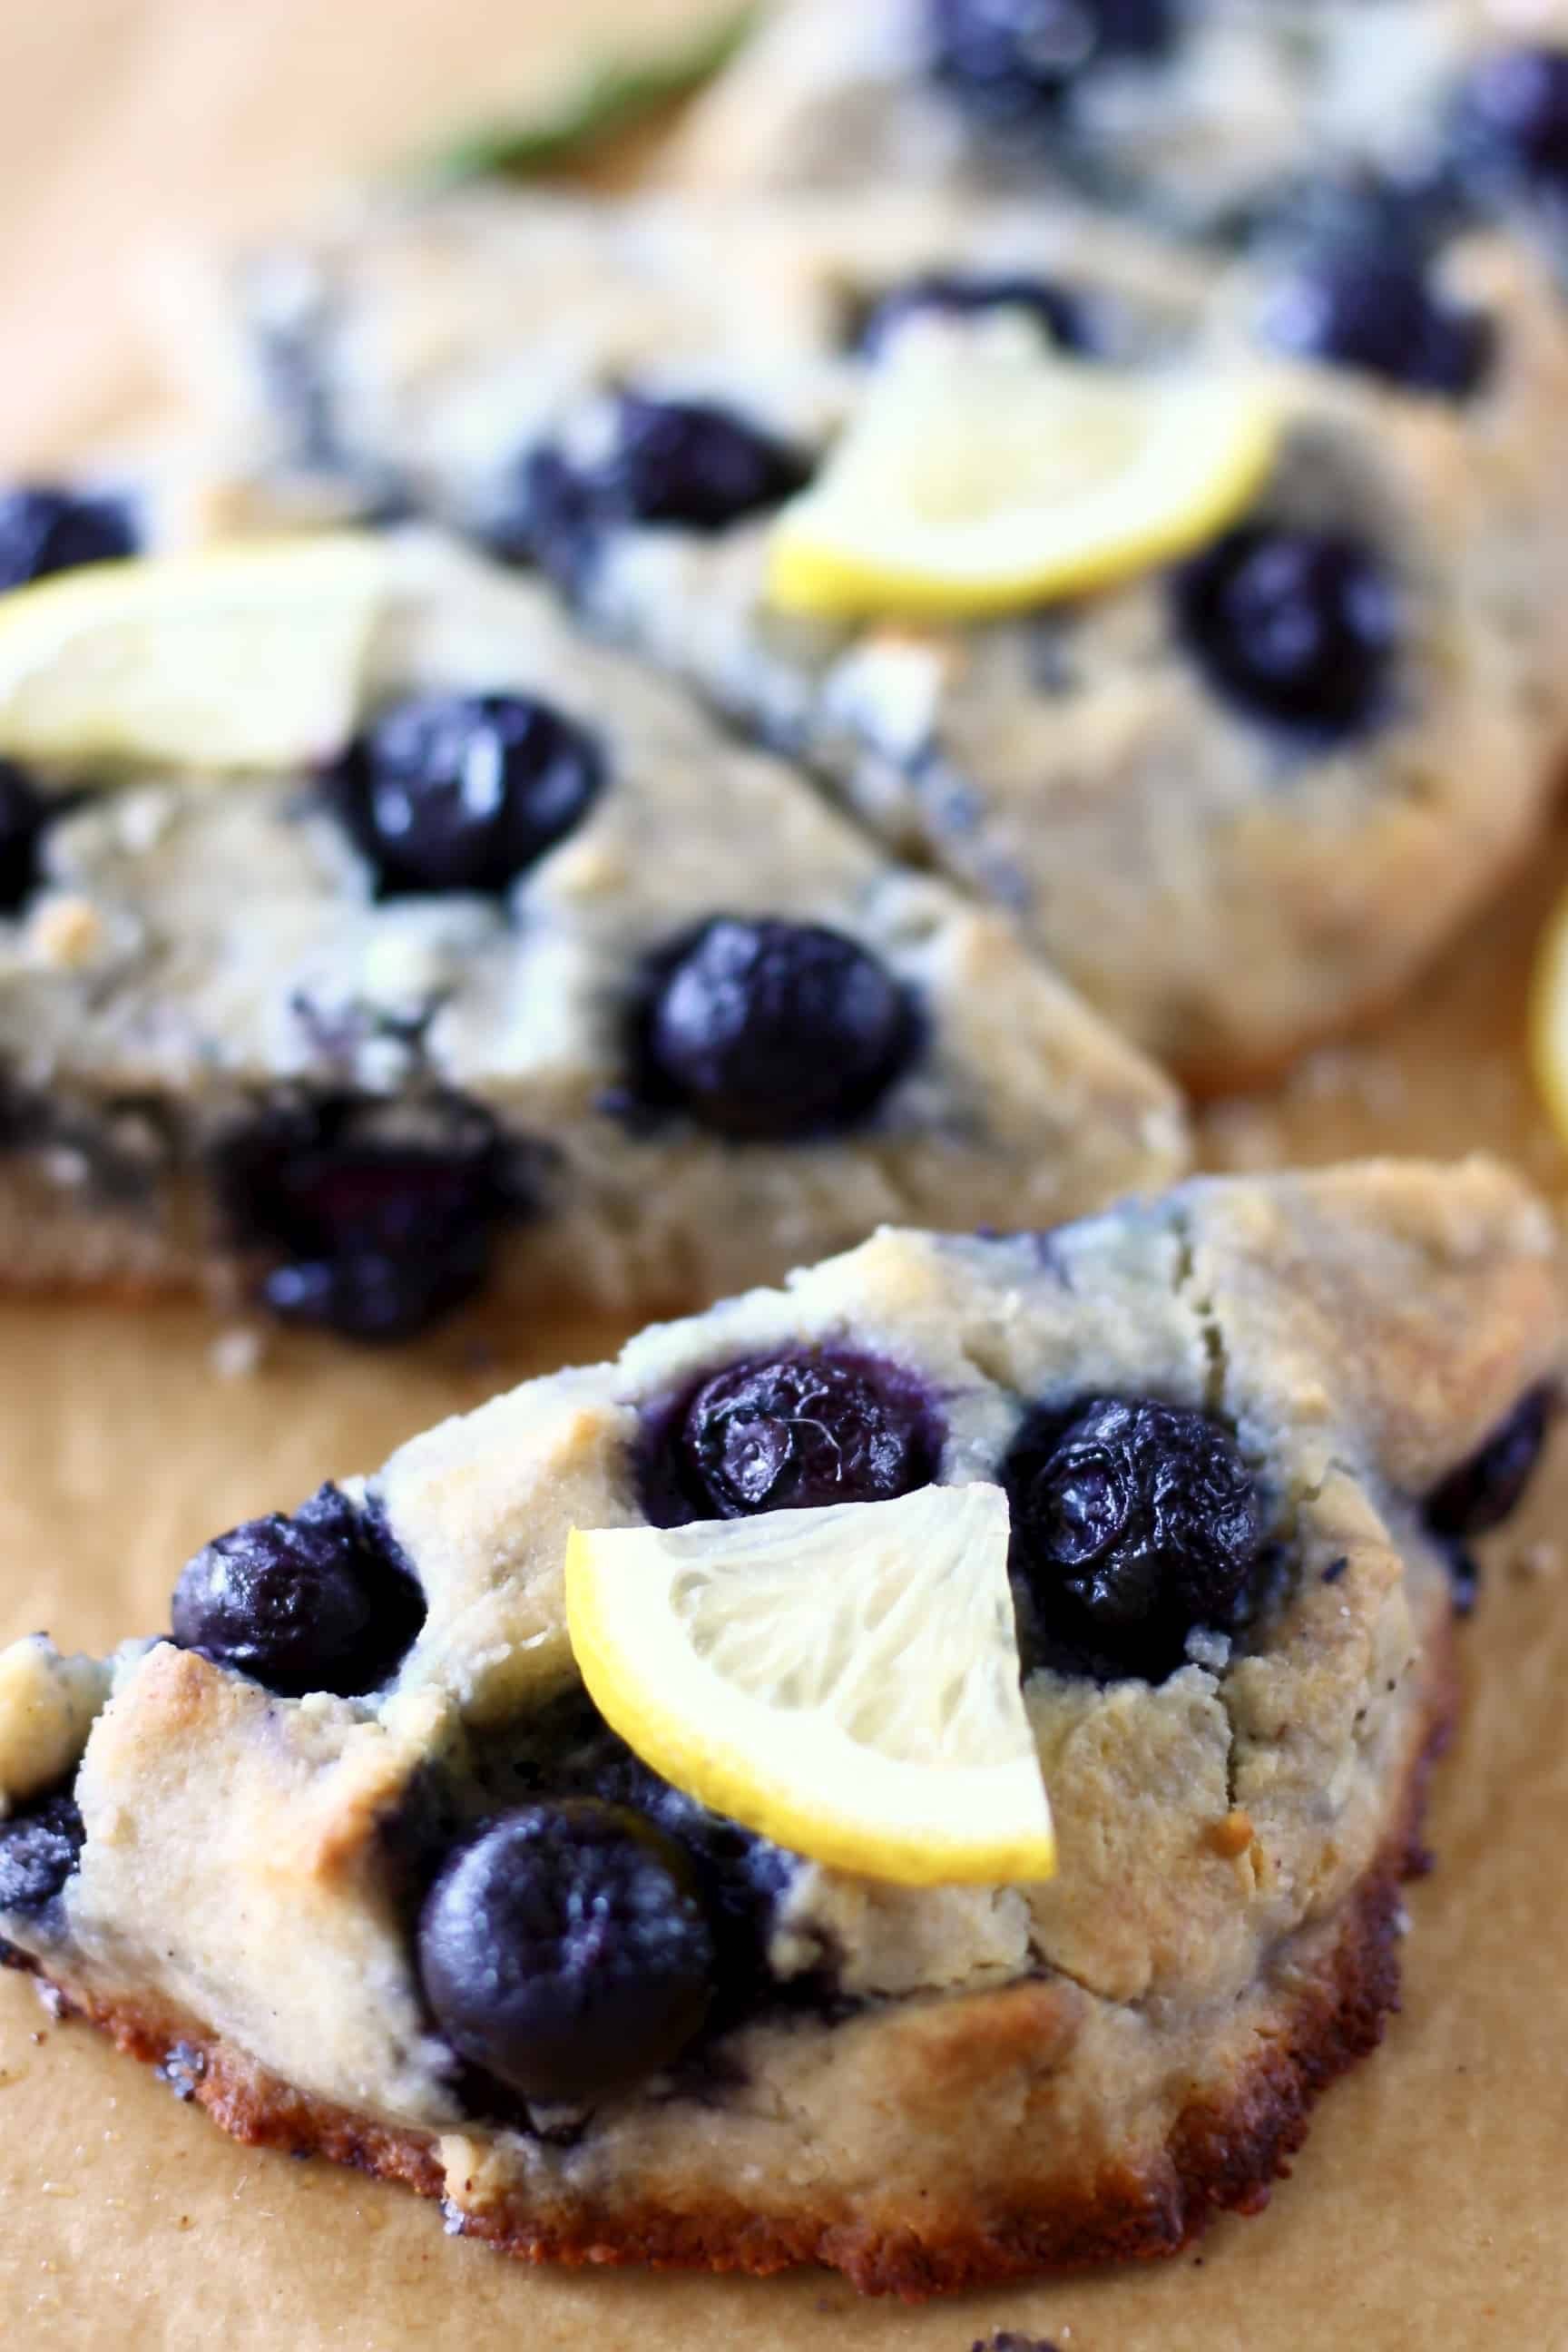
<point>981,477</point>
<point>1548,1019</point>
<point>844,1680</point>
<point>229,657</point>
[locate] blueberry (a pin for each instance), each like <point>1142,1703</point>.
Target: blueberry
<point>690,464</point>
<point>453,792</point>
<point>1511,127</point>
<point>763,1030</point>
<point>1012,64</point>
<point>1133,1523</point>
<point>379,1237</point>
<point>22,816</point>
<point>53,530</point>
<point>1374,309</point>
<point>317,1601</point>
<point>1464,1574</point>
<point>1058,313</point>
<point>39,1846</point>
<point>790,1432</point>
<point>1487,1490</point>
<point>1299,628</point>
<point>564,1951</point>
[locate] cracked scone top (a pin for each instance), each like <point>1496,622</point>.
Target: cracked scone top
<point>922,2086</point>
<point>1307,754</point>
<point>536,990</point>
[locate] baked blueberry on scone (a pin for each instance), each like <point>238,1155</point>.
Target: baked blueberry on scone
<point>656,1779</point>
<point>366,932</point>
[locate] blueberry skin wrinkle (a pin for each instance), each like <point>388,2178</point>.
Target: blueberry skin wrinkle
<point>789,1433</point>
<point>564,1952</point>
<point>1133,1522</point>
<point>314,1601</point>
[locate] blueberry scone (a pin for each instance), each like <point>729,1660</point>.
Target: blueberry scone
<point>1307,751</point>
<point>651,1776</point>
<point>528,977</point>
<point>1303,750</point>
<point>1200,116</point>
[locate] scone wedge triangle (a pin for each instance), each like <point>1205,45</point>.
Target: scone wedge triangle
<point>1249,1433</point>
<point>843,1681</point>
<point>511,974</point>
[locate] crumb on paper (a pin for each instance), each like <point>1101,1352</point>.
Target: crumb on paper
<point>1537,1560</point>
<point>237,1354</point>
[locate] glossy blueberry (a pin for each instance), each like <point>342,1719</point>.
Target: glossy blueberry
<point>39,1845</point>
<point>378,1237</point>
<point>564,1951</point>
<point>1511,127</point>
<point>739,1878</point>
<point>1055,309</point>
<point>52,529</point>
<point>690,464</point>
<point>1488,1488</point>
<point>761,1030</point>
<point>314,1601</point>
<point>791,1432</point>
<point>463,791</point>
<point>22,816</point>
<point>1374,309</point>
<point>1299,628</point>
<point>1010,64</point>
<point>1133,1522</point>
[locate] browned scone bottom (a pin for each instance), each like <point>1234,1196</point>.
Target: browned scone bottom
<point>1320,2005</point>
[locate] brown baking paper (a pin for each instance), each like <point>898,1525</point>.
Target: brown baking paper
<point>1426,2210</point>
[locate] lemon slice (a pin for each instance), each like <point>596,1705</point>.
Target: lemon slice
<point>231,657</point>
<point>844,1680</point>
<point>981,477</point>
<point>1548,1019</point>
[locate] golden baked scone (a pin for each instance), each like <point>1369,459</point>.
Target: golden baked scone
<point>355,1859</point>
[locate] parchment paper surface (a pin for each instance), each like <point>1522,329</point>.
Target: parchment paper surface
<point>1428,2208</point>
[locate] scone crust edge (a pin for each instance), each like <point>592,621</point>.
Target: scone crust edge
<point>1334,1985</point>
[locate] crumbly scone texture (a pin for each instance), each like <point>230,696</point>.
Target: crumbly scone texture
<point>144,1022</point>
<point>1010,2078</point>
<point>1253,95</point>
<point>1076,764</point>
